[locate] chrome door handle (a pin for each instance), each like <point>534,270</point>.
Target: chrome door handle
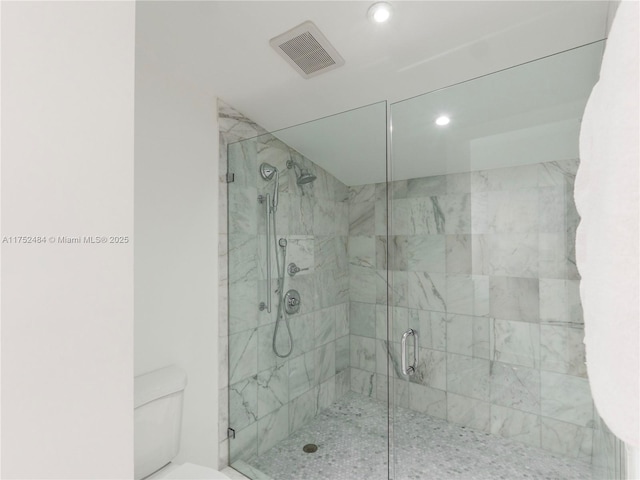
<point>411,369</point>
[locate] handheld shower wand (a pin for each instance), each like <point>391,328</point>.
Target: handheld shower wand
<point>267,172</point>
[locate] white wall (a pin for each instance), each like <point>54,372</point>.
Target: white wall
<point>67,170</point>
<point>176,273</point>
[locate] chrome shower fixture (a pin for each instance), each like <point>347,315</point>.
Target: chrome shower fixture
<point>305,175</point>
<point>267,172</point>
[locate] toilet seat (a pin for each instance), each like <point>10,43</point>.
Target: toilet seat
<point>187,471</point>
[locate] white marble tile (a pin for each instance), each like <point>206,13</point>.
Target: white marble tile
<point>243,258</point>
<point>512,298</point>
<point>243,306</point>
<point>273,389</point>
<point>306,217</point>
<point>243,355</point>
<point>363,382</point>
<point>243,210</point>
<point>468,376</point>
<point>560,302</point>
<point>457,213</point>
<point>363,353</point>
<point>243,402</point>
<point>331,287</point>
<point>324,326</point>
<point>433,330</point>
<point>459,255</point>
<point>245,444</point>
<point>513,211</point>
<point>302,331</point>
<point>301,251</point>
<point>567,439</point>
<point>428,400</point>
<point>380,217</point>
<point>326,394</point>
<point>398,291</point>
<point>400,318</point>
<point>552,255</point>
<point>342,319</point>
<point>306,286</point>
<point>362,284</point>
<point>325,362</point>
<point>427,292</point>
<point>515,387</point>
<point>381,321</point>
<point>469,412</point>
<point>480,218</point>
<point>343,382</point>
<point>517,343</point>
<point>431,370</point>
<point>426,216</point>
<point>399,392</point>
<point>427,186</point>
<point>468,294</point>
<point>361,218</point>
<point>511,254</point>
<point>552,209</point>
<point>397,246</point>
<point>242,162</point>
<point>301,374</point>
<point>362,251</point>
<point>362,193</point>
<point>330,252</point>
<point>566,398</point>
<point>303,409</point>
<point>273,428</point>
<point>362,317</point>
<point>562,350</point>
<point>557,173</point>
<point>425,253</point>
<point>343,357</point>
<point>521,426</point>
<point>467,335</point>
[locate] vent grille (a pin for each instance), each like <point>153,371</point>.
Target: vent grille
<point>307,50</point>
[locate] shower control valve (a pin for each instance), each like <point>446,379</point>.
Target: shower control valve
<point>292,302</point>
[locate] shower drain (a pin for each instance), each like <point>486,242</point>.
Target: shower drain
<point>310,448</point>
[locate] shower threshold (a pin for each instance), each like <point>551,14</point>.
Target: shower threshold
<point>352,441</point>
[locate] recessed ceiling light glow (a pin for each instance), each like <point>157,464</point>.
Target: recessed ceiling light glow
<point>379,12</point>
<point>442,120</point>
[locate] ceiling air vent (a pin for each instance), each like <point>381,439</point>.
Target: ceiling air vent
<point>307,50</point>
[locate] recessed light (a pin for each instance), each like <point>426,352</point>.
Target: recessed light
<point>442,120</point>
<point>379,12</point>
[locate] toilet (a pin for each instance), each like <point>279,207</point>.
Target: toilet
<point>158,419</point>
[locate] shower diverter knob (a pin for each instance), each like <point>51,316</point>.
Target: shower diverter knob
<point>292,302</point>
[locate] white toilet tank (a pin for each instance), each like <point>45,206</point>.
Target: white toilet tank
<point>157,418</point>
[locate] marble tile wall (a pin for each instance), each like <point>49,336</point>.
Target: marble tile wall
<point>270,397</point>
<point>483,266</point>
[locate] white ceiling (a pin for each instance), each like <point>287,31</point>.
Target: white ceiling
<point>223,48</point>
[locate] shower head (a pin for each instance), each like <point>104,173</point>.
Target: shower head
<point>305,176</point>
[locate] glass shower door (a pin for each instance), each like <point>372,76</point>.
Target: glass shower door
<point>489,375</point>
<point>307,299</point>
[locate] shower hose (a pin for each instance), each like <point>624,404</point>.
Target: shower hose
<point>281,270</point>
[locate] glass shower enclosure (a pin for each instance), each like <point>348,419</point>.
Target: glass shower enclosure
<point>403,302</point>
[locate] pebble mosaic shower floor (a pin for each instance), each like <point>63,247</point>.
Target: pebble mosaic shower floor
<point>352,445</point>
